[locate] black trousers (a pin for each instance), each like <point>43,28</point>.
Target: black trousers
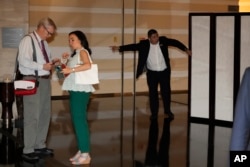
<point>154,78</point>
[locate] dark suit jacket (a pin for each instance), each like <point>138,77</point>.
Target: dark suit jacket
<point>143,48</point>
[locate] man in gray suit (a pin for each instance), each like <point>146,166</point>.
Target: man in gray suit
<point>37,107</point>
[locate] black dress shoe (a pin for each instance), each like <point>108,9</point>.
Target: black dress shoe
<point>170,115</point>
<point>44,152</point>
<point>30,157</point>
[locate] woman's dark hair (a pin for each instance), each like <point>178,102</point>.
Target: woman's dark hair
<point>151,32</point>
<point>84,42</point>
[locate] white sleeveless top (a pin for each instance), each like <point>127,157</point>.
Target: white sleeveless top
<point>69,82</point>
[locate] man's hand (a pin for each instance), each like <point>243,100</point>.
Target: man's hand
<point>47,66</point>
<point>55,61</point>
<point>114,48</point>
<point>189,52</point>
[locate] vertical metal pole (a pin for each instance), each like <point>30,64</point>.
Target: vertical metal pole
<point>189,91</point>
<point>122,89</point>
<point>134,85</point>
<point>212,89</point>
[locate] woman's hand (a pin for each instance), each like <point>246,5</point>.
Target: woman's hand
<point>65,55</point>
<point>67,70</point>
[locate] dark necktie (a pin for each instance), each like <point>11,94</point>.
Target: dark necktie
<point>44,52</point>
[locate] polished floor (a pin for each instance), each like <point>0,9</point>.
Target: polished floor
<point>123,138</point>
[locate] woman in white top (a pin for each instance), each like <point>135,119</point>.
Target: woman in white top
<point>79,94</point>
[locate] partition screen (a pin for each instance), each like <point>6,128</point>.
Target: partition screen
<point>220,44</point>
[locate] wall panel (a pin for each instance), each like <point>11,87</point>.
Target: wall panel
<point>102,23</point>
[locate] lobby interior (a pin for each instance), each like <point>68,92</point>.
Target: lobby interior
<point>121,132</point>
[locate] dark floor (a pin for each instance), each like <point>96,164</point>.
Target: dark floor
<point>131,141</point>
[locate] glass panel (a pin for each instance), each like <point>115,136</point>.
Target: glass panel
<point>198,145</point>
<point>245,41</point>
<point>200,66</point>
<point>224,67</point>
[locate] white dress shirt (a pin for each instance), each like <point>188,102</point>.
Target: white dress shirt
<point>156,61</point>
<point>25,56</point>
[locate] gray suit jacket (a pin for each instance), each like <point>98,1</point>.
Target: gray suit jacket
<point>240,137</point>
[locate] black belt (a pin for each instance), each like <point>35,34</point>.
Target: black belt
<point>43,76</point>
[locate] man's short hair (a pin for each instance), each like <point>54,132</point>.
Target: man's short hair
<point>151,32</point>
<point>46,22</point>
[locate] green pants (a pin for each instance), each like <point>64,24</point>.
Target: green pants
<point>78,107</point>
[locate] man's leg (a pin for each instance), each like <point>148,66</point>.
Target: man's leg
<point>44,114</point>
<point>165,87</point>
<point>152,81</point>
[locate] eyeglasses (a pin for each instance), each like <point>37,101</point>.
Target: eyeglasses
<point>49,33</point>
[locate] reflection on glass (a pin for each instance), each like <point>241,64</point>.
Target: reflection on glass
<point>40,163</point>
<point>7,147</point>
<point>153,157</point>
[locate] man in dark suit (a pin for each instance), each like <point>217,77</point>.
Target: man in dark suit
<point>154,58</point>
